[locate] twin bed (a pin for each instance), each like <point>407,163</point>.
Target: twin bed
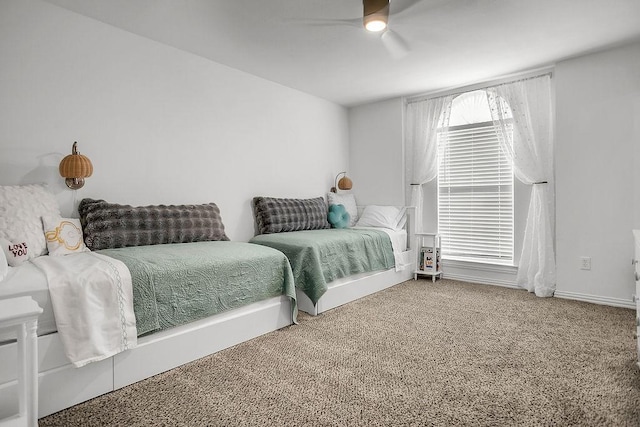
<point>333,266</point>
<point>192,292</point>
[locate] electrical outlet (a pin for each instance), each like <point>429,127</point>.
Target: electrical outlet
<point>585,263</point>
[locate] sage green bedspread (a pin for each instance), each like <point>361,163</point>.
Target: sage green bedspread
<point>174,284</point>
<point>318,257</point>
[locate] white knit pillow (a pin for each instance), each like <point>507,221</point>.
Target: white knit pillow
<point>21,210</point>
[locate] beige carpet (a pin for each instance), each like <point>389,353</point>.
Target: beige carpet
<point>417,354</point>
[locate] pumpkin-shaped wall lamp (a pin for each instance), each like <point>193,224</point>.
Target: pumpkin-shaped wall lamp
<point>75,168</point>
<point>343,183</point>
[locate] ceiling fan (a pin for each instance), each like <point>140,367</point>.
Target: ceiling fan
<point>375,15</point>
<point>375,19</point>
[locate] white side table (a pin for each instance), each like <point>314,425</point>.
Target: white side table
<point>22,314</point>
<point>429,242</point>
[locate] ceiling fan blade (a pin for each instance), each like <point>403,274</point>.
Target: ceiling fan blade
<point>331,22</point>
<point>397,46</point>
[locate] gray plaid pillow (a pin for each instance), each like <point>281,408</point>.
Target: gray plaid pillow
<point>283,215</point>
<point>109,225</point>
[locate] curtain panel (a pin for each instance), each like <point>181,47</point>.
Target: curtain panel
<point>530,147</point>
<point>423,120</point>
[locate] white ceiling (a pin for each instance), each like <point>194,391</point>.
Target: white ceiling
<point>320,46</point>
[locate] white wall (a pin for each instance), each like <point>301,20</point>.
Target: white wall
<point>597,178</point>
<point>160,125</point>
<point>377,165</point>
<point>597,134</point>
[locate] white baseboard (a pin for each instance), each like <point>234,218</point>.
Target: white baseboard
<point>596,299</point>
<point>576,296</point>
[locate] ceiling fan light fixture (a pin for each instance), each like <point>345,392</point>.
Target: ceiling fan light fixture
<point>376,15</point>
<point>375,25</point>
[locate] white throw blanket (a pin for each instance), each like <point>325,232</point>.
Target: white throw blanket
<point>92,300</point>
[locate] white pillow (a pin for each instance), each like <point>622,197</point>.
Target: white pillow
<point>4,266</point>
<point>21,210</point>
<point>64,236</point>
<point>383,216</point>
<point>348,201</point>
<point>15,252</point>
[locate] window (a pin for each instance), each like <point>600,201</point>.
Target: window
<point>475,185</point>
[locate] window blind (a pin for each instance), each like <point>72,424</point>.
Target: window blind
<point>475,194</point>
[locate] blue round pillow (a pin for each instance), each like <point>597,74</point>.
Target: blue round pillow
<point>338,216</point>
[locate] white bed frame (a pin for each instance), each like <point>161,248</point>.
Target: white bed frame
<point>349,289</point>
<point>61,385</point>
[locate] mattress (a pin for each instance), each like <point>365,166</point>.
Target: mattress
<point>318,257</point>
<point>29,280</point>
<point>178,283</point>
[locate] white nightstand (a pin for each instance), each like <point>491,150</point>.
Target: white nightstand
<point>22,314</point>
<point>428,245</point>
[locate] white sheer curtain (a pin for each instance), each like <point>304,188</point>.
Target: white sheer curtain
<point>530,146</point>
<point>424,118</point>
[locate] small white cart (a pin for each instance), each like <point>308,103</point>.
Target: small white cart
<point>428,245</point>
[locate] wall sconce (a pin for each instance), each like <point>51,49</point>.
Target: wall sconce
<point>75,168</point>
<point>344,183</point>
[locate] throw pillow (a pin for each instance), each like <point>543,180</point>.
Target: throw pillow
<point>110,225</point>
<point>15,252</point>
<point>21,210</point>
<point>64,236</point>
<point>383,216</point>
<point>348,201</point>
<point>275,215</point>
<point>338,216</point>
